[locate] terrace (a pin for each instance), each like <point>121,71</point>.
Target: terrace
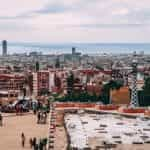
<point>91,130</point>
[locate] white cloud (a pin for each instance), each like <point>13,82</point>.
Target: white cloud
<point>17,7</point>
<point>75,20</point>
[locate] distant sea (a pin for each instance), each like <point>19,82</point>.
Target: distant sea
<point>85,48</point>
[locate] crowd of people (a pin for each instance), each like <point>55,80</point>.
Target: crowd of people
<point>40,110</point>
<point>35,144</point>
<point>41,117</point>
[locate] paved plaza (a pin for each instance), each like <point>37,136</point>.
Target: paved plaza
<point>13,127</point>
<point>92,130</point>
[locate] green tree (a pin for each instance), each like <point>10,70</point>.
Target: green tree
<point>144,95</point>
<point>105,96</point>
<point>79,97</point>
<point>99,67</point>
<point>146,88</point>
<point>44,91</point>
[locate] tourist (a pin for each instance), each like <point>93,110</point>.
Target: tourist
<point>48,106</point>
<point>38,117</point>
<point>40,144</point>
<point>1,119</point>
<point>34,142</point>
<point>44,143</point>
<point>45,117</point>
<point>23,139</point>
<point>21,109</point>
<point>36,147</point>
<point>31,142</point>
<point>17,109</point>
<point>34,107</point>
<point>39,105</point>
<point>34,111</point>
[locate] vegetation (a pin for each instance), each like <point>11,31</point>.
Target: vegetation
<point>146,88</point>
<point>144,95</point>
<point>44,91</point>
<point>81,97</point>
<point>105,96</point>
<point>112,85</point>
<point>99,67</point>
<point>85,96</point>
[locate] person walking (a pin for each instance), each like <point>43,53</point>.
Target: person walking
<point>1,120</point>
<point>31,142</point>
<point>34,142</point>
<point>45,117</point>
<point>34,107</point>
<point>17,109</point>
<point>38,117</point>
<point>41,145</point>
<point>23,139</point>
<point>36,147</point>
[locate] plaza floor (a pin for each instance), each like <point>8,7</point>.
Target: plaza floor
<point>13,126</point>
<point>91,130</point>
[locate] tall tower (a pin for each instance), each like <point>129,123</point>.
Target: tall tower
<point>73,55</point>
<point>73,50</point>
<point>4,47</point>
<point>134,94</point>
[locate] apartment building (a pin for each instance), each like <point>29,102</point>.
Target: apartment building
<point>11,82</point>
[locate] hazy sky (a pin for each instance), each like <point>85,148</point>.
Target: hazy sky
<point>75,20</point>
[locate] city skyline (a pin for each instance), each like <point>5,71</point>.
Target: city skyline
<point>73,21</point>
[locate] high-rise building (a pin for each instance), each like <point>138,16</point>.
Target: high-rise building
<point>4,47</point>
<point>73,50</point>
<point>11,82</point>
<point>40,82</point>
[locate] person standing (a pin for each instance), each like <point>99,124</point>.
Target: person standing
<point>40,144</point>
<point>31,142</point>
<point>36,147</point>
<point>17,109</point>
<point>34,107</point>
<point>34,142</point>
<point>38,117</point>
<point>1,119</point>
<point>23,139</point>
